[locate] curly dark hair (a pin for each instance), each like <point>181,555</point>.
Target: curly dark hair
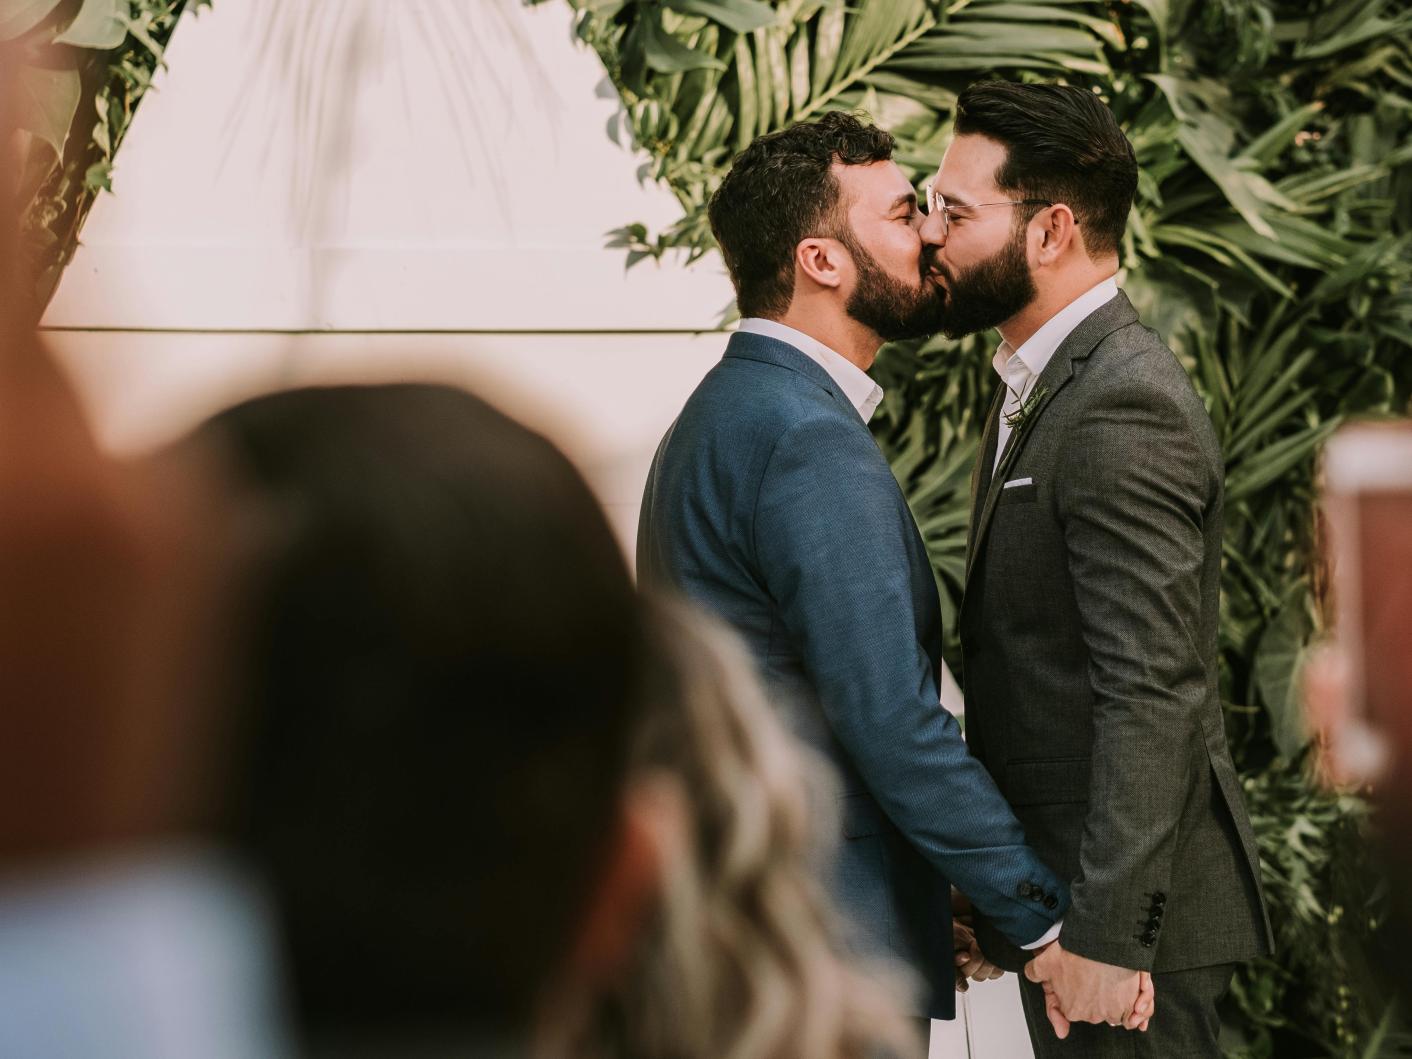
<point>779,191</point>
<point>1062,144</point>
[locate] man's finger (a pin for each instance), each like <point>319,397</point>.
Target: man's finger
<point>970,964</point>
<point>1146,1005</point>
<point>1056,1017</point>
<point>985,972</point>
<point>1032,971</point>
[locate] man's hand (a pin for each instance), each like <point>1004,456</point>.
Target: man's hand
<point>1077,989</point>
<point>971,963</point>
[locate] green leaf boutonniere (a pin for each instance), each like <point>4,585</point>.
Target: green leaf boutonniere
<point>1017,419</point>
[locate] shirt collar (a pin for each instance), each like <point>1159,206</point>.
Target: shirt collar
<point>1035,353</point>
<point>862,392</point>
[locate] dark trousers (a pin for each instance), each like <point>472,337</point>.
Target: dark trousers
<point>1185,1025</point>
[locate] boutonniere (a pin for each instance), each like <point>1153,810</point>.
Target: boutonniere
<point>1017,419</point>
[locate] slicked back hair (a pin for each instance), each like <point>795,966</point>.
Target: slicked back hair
<point>781,191</point>
<point>1062,144</point>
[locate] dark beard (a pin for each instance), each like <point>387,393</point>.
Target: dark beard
<point>889,307</point>
<point>989,293</point>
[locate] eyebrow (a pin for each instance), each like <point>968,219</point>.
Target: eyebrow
<point>954,200</point>
<point>909,198</point>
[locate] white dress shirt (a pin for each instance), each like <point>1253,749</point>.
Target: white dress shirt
<point>1019,369</point>
<point>862,392</point>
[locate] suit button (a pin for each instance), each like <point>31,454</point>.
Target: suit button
<point>1051,902</point>
<point>1149,939</point>
<point>1159,899</point>
<point>1154,924</point>
<point>1025,890</point>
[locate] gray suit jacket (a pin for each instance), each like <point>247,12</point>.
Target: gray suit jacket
<point>769,502</point>
<point>1088,630</point>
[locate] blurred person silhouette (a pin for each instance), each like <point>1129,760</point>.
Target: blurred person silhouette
<point>122,932</point>
<point>744,957</point>
<point>444,663</point>
<point>1358,683</point>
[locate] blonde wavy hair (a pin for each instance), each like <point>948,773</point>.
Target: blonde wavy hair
<point>745,958</point>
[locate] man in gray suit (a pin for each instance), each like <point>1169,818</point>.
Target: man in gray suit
<point>769,502</point>
<point>1090,612</point>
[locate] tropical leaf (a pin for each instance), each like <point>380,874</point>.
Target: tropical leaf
<point>1279,662</point>
<point>99,24</point>
<point>82,68</point>
<point>47,100</point>
<point>22,16</point>
<point>742,16</point>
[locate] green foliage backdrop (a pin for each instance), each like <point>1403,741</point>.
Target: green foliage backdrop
<point>79,68</point>
<point>1271,246</point>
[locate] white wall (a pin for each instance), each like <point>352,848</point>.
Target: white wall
<point>357,189</point>
<point>356,165</point>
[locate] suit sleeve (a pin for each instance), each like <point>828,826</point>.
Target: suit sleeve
<point>831,536</point>
<point>1133,499</point>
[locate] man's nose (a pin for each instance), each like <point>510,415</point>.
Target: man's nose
<point>932,230</point>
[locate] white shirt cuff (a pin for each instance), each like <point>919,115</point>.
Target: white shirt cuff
<point>1052,934</point>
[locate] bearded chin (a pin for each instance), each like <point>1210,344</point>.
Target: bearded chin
<point>890,308</point>
<point>988,294</point>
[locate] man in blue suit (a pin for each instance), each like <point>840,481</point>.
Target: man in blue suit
<point>770,503</point>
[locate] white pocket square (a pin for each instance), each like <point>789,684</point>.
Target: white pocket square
<point>1018,481</point>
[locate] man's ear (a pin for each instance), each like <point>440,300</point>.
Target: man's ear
<point>821,261</point>
<point>1058,232</point>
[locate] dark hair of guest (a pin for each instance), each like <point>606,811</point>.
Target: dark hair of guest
<point>444,676</point>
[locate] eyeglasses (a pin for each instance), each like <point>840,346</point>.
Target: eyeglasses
<point>937,204</point>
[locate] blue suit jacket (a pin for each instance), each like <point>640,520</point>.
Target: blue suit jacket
<point>769,503</point>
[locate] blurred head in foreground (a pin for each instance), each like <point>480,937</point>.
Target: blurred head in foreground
<point>444,666</point>
<point>745,956</point>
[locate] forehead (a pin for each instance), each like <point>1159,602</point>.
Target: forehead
<point>877,184</point>
<point>968,168</point>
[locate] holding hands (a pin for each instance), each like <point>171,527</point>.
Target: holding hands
<point>1077,989</point>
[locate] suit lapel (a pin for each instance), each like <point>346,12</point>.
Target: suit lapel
<point>981,473</point>
<point>1081,341</point>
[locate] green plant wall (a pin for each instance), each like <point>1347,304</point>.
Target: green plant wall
<point>1271,245</point>
<point>78,69</point>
